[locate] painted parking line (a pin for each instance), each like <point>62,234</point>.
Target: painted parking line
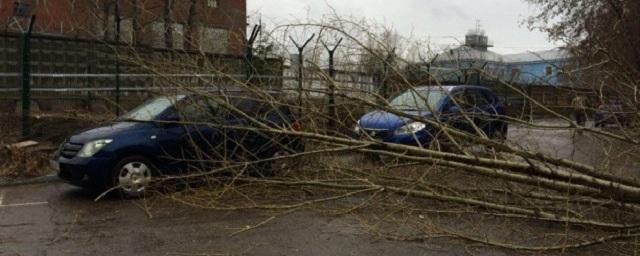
<point>24,204</point>
<point>2,205</point>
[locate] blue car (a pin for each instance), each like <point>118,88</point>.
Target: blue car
<point>175,134</point>
<point>613,114</point>
<point>471,109</point>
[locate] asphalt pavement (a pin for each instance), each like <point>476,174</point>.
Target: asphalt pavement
<point>59,219</point>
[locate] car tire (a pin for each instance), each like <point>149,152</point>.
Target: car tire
<point>132,176</point>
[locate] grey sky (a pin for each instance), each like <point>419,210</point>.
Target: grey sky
<point>437,20</point>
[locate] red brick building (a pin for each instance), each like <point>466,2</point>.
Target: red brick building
<point>213,26</point>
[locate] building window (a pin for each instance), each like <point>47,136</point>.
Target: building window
<point>212,3</point>
<point>178,36</point>
<point>548,70</point>
<point>214,40</point>
<point>105,27</point>
<point>157,35</point>
<point>563,76</point>
<point>158,38</point>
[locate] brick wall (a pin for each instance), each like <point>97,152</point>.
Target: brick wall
<point>195,24</point>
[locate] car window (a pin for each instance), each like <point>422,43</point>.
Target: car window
<point>424,100</point>
<point>470,99</point>
<point>462,100</point>
<point>151,109</point>
<point>197,109</point>
<point>255,107</point>
<point>479,98</point>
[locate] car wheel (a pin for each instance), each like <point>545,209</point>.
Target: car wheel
<point>132,176</point>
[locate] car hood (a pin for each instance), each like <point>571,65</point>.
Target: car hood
<point>108,131</point>
<point>381,120</point>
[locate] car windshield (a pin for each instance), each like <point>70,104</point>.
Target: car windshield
<point>151,109</point>
<point>424,100</point>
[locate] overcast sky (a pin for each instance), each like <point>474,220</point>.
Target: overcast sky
<point>437,20</point>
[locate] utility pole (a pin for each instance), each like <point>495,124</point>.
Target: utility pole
<point>301,69</point>
<point>26,79</point>
<point>332,84</point>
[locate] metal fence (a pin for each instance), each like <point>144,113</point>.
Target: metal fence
<point>98,93</point>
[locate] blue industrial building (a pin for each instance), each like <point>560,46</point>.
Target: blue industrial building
<point>530,68</point>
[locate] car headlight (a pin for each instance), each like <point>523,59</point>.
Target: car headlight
<point>91,148</point>
<point>410,128</point>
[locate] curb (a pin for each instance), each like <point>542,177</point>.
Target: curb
<point>8,182</point>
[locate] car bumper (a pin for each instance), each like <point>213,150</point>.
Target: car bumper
<point>85,172</point>
<point>416,139</point>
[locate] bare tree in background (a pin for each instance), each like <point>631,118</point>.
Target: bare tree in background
<point>603,36</point>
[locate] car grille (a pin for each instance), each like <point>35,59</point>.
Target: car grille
<point>70,150</point>
<point>378,133</point>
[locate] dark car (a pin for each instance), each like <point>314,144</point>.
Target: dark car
<point>612,114</point>
<point>172,134</point>
<point>473,105</point>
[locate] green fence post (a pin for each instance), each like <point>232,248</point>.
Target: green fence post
<point>117,46</point>
<point>332,84</point>
<point>26,79</point>
<point>249,54</point>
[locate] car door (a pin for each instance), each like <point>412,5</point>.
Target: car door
<point>191,141</point>
<point>243,144</point>
<point>483,110</point>
<point>456,112</point>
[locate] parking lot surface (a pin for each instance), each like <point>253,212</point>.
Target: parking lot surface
<point>58,219</point>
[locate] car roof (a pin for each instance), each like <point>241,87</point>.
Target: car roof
<point>449,88</point>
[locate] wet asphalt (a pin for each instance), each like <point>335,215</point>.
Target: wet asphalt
<point>59,219</point>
